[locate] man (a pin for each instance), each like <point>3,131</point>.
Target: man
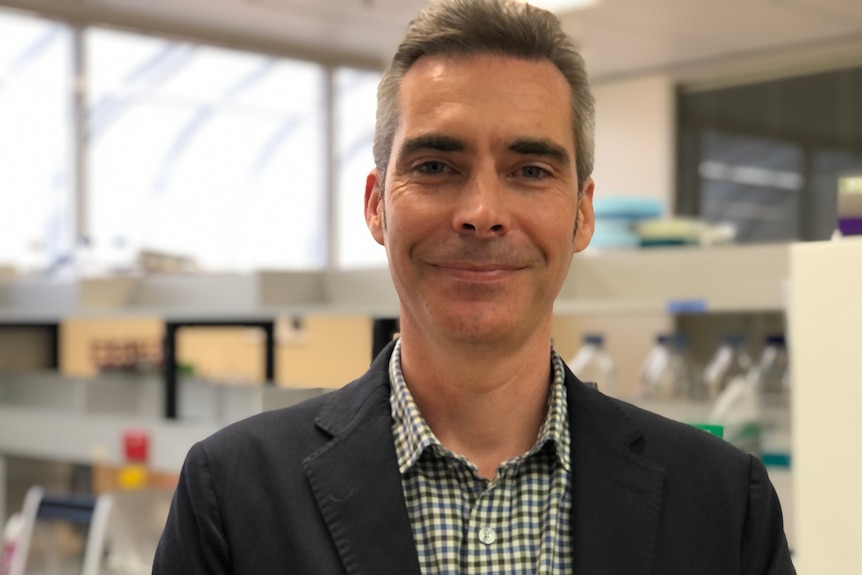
<point>468,447</point>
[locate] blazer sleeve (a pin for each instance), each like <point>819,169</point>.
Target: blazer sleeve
<point>764,545</point>
<point>193,541</point>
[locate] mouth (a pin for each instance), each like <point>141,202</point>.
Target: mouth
<point>478,272</point>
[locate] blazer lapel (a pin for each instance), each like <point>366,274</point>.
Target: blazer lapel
<point>616,494</point>
<point>356,482</point>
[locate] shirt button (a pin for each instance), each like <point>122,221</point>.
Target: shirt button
<point>487,535</point>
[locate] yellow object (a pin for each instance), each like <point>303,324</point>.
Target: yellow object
<point>676,229</point>
<point>132,477</point>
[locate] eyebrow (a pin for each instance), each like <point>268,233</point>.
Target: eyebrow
<point>431,141</point>
<point>540,147</point>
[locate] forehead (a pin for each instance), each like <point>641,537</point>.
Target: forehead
<point>487,94</point>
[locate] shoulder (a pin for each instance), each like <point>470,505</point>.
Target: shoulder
<point>298,430</point>
<point>692,459</point>
<point>668,439</point>
<point>675,435</point>
<point>688,456</point>
<point>664,441</point>
<point>269,427</point>
<point>711,486</point>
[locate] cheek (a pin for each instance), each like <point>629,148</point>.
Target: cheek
<point>552,224</point>
<point>402,230</point>
<point>415,216</point>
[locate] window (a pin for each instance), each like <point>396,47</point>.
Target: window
<point>355,106</point>
<point>36,171</point>
<point>204,152</point>
<point>752,183</point>
<point>767,156</point>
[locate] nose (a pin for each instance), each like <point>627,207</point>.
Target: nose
<point>480,209</point>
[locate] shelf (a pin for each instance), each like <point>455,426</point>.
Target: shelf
<point>48,416</point>
<point>72,438</point>
<point>665,280</point>
<point>677,280</point>
<point>196,297</point>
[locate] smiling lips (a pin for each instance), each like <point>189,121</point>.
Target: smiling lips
<point>470,271</point>
<point>477,261</point>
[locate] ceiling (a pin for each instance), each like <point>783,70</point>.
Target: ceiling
<point>618,37</point>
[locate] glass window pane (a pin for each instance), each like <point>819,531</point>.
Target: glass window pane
<point>36,178</point>
<point>767,156</point>
<point>355,106</point>
<point>752,183</point>
<point>204,152</point>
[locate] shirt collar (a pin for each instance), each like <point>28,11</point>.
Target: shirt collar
<point>413,435</point>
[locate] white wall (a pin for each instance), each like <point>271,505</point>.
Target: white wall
<point>635,138</point>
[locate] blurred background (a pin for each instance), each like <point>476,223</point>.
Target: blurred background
<point>182,238</point>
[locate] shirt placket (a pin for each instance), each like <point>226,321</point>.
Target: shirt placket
<point>487,533</point>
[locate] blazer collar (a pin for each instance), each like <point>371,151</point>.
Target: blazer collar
<point>616,493</point>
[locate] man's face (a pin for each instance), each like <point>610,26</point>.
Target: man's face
<point>480,201</point>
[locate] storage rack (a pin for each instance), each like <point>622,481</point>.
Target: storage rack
<point>745,279</point>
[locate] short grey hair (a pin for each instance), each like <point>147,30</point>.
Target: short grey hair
<point>463,28</point>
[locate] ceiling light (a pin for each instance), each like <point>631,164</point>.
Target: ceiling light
<point>558,6</point>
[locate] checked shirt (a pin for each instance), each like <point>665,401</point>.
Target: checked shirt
<point>517,524</point>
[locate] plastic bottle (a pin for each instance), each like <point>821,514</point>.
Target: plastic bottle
<point>771,374</point>
<point>771,378</point>
<point>592,363</point>
<point>667,372</point>
<point>730,360</point>
<point>737,402</point>
<point>737,409</point>
<point>654,363</point>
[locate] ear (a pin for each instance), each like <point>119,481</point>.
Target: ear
<point>374,217</point>
<point>586,218</point>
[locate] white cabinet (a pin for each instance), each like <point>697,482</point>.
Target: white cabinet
<point>825,313</point>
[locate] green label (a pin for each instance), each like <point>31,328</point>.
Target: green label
<point>716,430</point>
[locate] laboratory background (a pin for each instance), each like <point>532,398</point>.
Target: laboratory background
<point>182,243</point>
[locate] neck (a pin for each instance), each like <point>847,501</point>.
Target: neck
<point>485,402</point>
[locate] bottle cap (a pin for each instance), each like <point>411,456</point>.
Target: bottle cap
<point>776,339</point>
<point>594,339</point>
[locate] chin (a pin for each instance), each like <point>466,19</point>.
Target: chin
<point>475,330</point>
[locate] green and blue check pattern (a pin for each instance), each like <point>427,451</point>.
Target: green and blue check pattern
<point>517,524</point>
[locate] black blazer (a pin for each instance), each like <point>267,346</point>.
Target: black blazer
<point>314,489</point>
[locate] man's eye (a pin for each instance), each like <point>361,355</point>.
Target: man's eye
<point>533,172</point>
<point>432,167</point>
